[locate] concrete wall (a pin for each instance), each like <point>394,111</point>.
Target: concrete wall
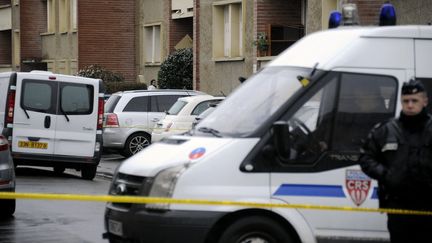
<point>215,77</point>
<point>413,11</point>
<point>152,12</point>
<point>106,35</point>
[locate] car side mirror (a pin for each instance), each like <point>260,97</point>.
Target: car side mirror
<point>281,139</point>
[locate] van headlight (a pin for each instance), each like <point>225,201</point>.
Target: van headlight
<point>164,183</point>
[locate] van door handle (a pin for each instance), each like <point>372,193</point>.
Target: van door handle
<point>47,122</point>
<point>155,119</point>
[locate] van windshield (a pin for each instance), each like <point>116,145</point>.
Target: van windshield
<point>254,102</point>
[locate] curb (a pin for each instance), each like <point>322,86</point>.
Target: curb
<point>104,175</point>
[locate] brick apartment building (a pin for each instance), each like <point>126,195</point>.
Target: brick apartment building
<point>225,45</point>
<point>65,35</point>
<point>134,37</point>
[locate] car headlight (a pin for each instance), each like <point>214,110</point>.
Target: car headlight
<point>164,183</point>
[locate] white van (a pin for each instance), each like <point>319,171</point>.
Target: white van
<point>53,120</point>
<point>296,142</point>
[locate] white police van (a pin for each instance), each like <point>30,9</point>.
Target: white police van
<point>296,141</point>
<point>53,120</point>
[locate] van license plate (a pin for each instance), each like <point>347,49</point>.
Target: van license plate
<point>31,144</point>
<point>115,227</point>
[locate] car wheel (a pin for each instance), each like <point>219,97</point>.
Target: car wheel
<point>88,172</point>
<point>59,170</point>
<point>255,229</point>
<point>136,143</point>
<point>7,207</point>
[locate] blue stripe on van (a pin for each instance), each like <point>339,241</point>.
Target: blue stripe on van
<point>375,193</point>
<point>309,190</point>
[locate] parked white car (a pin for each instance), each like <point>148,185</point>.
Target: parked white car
<point>182,114</point>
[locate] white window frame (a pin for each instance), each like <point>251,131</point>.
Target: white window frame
<point>50,16</point>
<point>16,42</point>
<point>73,15</point>
<point>228,29</point>
<point>63,16</point>
<point>152,44</point>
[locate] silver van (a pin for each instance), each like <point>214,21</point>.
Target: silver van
<point>131,115</point>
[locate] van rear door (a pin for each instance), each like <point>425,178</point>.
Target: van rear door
<point>77,116</point>
<point>35,117</point>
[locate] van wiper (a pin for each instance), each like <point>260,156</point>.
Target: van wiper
<point>212,131</point>
<point>306,80</point>
<point>25,111</point>
<point>64,113</point>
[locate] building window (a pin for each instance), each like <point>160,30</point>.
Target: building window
<point>63,16</point>
<point>152,43</point>
<point>227,30</point>
<point>281,37</point>
<point>50,16</point>
<point>73,14</point>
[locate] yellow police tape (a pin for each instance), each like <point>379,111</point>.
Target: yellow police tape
<point>155,200</point>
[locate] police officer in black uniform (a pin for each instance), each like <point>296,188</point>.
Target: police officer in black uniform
<point>399,155</point>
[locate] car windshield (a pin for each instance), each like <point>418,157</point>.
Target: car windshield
<point>176,108</point>
<point>254,102</point>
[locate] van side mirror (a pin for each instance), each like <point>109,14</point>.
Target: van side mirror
<point>281,139</point>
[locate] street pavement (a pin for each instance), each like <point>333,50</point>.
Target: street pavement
<point>108,165</point>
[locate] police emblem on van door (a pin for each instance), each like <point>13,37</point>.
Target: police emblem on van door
<point>358,185</point>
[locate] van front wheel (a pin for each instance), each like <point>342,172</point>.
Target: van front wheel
<point>255,229</point>
<point>136,143</point>
<point>88,172</point>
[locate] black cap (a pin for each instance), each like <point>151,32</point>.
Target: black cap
<point>412,87</point>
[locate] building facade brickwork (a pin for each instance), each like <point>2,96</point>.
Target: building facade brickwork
<point>106,35</point>
<point>33,23</point>
<point>178,29</point>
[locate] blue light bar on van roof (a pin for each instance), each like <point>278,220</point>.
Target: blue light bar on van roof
<point>335,19</point>
<point>387,15</point>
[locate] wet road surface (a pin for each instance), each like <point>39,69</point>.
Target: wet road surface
<point>55,221</point>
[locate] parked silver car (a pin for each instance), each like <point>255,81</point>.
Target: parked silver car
<point>131,115</point>
<point>7,178</point>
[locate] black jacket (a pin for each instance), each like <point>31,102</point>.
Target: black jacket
<point>400,159</point>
